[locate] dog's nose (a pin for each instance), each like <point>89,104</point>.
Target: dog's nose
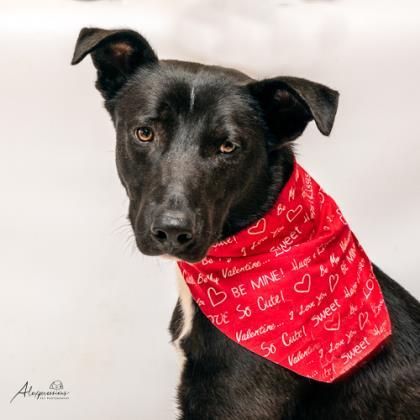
<point>173,229</point>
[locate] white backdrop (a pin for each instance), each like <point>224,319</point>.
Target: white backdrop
<point>78,303</point>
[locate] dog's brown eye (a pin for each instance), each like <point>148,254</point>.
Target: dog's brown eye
<point>227,147</point>
<point>144,134</point>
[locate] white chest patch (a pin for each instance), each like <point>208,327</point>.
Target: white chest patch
<point>187,313</point>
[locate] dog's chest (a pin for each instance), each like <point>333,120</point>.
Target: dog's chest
<point>186,315</point>
<point>211,361</point>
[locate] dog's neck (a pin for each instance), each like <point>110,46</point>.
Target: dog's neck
<point>264,192</point>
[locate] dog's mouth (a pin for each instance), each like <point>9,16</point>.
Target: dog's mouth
<point>190,258</point>
<point>193,253</point>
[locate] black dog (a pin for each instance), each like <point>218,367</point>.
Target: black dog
<point>203,152</point>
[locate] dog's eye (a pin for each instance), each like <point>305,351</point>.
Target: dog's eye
<point>144,134</point>
<point>227,147</point>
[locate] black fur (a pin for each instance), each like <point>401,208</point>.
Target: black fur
<point>182,182</point>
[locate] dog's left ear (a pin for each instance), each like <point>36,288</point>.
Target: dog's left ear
<point>116,54</point>
<point>289,103</point>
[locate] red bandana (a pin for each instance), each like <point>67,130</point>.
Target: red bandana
<point>296,287</point>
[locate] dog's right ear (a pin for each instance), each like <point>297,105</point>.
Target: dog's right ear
<point>116,54</point>
<point>289,103</point>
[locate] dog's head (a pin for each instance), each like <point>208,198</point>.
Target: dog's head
<point>200,149</point>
